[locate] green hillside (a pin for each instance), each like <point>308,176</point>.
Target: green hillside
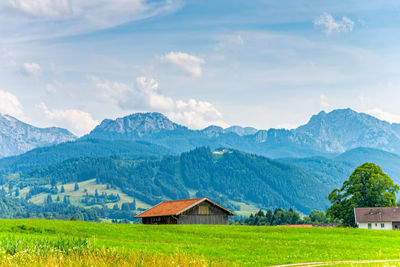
<point>329,171</point>
<point>389,162</point>
<point>44,156</point>
<point>66,243</point>
<point>230,177</point>
<point>332,172</point>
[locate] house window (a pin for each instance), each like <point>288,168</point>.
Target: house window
<point>382,225</point>
<point>203,210</point>
<point>369,226</point>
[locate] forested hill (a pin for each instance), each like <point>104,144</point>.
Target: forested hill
<point>227,176</point>
<point>44,156</point>
<point>333,172</point>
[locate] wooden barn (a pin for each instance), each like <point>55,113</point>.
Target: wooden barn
<point>186,211</point>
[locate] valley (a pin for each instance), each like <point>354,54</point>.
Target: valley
<point>146,158</point>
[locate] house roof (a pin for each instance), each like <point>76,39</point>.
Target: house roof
<point>377,214</point>
<point>176,207</point>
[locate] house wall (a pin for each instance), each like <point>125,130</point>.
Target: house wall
<point>203,219</point>
<point>159,220</point>
<point>215,215</point>
<point>376,225</point>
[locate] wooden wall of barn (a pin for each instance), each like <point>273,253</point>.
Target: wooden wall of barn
<point>193,216</point>
<point>159,220</point>
<point>203,219</point>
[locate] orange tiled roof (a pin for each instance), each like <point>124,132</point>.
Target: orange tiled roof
<point>172,207</point>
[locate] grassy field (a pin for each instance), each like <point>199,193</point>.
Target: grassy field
<point>80,243</point>
<point>91,186</point>
<point>75,196</point>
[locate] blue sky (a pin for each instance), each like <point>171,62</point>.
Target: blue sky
<point>72,63</point>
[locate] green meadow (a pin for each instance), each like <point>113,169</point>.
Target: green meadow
<point>72,243</point>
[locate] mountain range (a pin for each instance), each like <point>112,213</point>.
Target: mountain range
<point>17,137</point>
<point>148,157</point>
<point>326,133</point>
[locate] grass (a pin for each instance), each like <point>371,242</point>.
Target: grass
<point>77,196</point>
<point>186,245</point>
<point>245,209</point>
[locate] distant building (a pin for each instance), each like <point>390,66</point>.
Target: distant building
<point>379,218</point>
<point>186,211</point>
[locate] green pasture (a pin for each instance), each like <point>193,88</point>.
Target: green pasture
<point>219,245</point>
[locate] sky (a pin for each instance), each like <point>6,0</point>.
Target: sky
<point>265,64</point>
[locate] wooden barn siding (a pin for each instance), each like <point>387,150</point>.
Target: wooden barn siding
<point>203,219</point>
<point>159,220</point>
<point>215,216</point>
<point>213,210</point>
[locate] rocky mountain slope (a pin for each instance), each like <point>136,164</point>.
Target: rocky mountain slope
<point>345,129</point>
<point>17,137</point>
<point>325,133</point>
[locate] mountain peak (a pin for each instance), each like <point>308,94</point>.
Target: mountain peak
<point>213,130</point>
<point>241,130</point>
<point>137,124</point>
<point>18,137</point>
<point>343,129</point>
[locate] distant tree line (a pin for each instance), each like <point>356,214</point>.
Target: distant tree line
<point>63,210</point>
<point>281,217</point>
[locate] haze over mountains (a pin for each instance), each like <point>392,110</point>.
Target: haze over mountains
<point>151,158</point>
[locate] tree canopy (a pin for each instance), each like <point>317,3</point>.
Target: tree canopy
<point>368,186</point>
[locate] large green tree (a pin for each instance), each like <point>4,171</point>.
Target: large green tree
<point>368,186</point>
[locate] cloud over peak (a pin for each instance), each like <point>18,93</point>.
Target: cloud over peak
<point>329,25</point>
<point>146,96</point>
<point>78,121</point>
<point>9,104</point>
<point>384,115</point>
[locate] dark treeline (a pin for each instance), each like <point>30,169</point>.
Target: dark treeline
<point>281,217</point>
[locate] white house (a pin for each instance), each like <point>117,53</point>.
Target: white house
<point>379,218</point>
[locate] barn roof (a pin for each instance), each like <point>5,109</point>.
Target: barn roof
<point>176,207</point>
<point>377,214</point>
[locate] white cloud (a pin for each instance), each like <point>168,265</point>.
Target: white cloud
<point>145,96</point>
<point>226,41</point>
<point>186,63</point>
<point>110,91</point>
<point>9,104</point>
<point>323,102</point>
<point>147,90</point>
<point>40,8</point>
<point>196,114</point>
<point>329,25</point>
<point>78,121</point>
<point>32,69</point>
<point>66,17</point>
<point>52,87</point>
<point>384,115</point>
